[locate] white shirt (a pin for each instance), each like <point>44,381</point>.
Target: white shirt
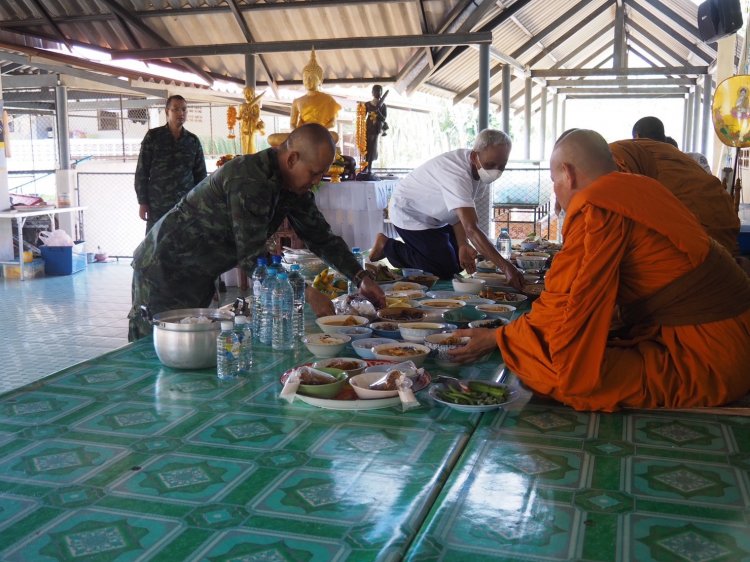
<point>429,196</point>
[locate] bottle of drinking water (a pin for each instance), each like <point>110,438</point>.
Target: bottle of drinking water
<point>256,282</point>
<point>298,289</point>
<point>227,351</point>
<point>276,263</point>
<point>357,253</point>
<point>283,309</point>
<point>244,331</point>
<point>503,244</point>
<point>266,314</point>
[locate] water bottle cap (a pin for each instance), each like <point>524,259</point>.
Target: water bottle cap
<point>276,259</point>
<point>226,325</point>
<point>240,320</point>
<point>505,230</point>
<point>262,261</point>
<point>281,276</point>
<point>295,267</point>
<point>356,250</point>
<point>272,273</point>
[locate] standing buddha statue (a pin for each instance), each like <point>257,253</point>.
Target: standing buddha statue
<point>314,107</point>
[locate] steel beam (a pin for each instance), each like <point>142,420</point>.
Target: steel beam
<point>484,87</point>
<point>527,119</point>
<point>615,96</point>
<point>619,58</point>
<point>655,91</point>
<point>707,83</point>
<point>563,82</point>
<point>384,42</point>
<point>466,92</point>
<point>506,98</point>
<point>654,71</point>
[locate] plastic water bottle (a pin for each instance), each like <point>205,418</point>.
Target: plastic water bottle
<point>244,331</point>
<point>276,263</point>
<point>503,244</point>
<point>227,351</point>
<point>298,289</point>
<point>357,253</point>
<point>283,310</point>
<point>266,320</point>
<point>259,275</point>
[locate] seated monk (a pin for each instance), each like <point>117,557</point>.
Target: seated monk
<point>630,246</point>
<point>314,107</point>
<point>700,192</point>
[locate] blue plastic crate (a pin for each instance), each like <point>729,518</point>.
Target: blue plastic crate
<point>64,260</point>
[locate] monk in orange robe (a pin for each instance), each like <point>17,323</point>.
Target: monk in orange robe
<point>632,251</point>
<point>700,192</point>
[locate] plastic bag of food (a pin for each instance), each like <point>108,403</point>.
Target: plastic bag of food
<point>356,305</point>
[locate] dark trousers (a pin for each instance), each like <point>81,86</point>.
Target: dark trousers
<point>433,250</point>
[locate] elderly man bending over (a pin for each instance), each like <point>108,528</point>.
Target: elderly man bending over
<point>630,246</point>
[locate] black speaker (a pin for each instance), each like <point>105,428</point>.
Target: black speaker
<point>718,18</point>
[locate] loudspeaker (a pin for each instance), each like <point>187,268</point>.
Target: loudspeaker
<point>718,18</point>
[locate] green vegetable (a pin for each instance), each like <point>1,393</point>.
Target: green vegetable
<point>478,394</point>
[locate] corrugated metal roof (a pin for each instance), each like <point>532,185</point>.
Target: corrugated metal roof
<point>538,33</point>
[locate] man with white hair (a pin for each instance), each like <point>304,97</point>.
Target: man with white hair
<point>434,213</point>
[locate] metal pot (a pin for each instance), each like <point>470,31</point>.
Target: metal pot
<point>186,346</point>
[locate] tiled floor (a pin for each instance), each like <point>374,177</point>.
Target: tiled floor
<point>54,322</point>
<point>57,321</point>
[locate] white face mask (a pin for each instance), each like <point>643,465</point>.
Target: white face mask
<point>487,176</point>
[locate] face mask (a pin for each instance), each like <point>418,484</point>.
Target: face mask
<point>487,176</point>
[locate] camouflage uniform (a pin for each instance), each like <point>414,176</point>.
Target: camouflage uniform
<point>223,222</point>
<point>167,169</point>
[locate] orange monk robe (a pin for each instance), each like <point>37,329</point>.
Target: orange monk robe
<point>561,347</point>
<point>700,192</point>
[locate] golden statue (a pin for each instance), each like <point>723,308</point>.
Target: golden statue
<point>250,121</point>
<point>314,107</point>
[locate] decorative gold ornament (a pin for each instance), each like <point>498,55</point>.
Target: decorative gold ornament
<point>361,133</point>
<point>231,121</point>
<point>250,121</point>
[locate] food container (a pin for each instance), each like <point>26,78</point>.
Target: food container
<point>399,352</point>
<point>186,346</point>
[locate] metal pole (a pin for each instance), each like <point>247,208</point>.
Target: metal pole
<point>562,114</point>
<point>685,122</point>
<point>527,120</point>
<point>506,97</point>
<point>543,124</point>
<point>554,116</point>
<point>706,113</point>
<point>250,71</point>
<point>61,116</point>
<point>688,146</point>
<point>6,226</point>
<point>484,86</point>
<point>696,117</point>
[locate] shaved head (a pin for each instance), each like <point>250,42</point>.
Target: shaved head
<point>585,150</point>
<point>649,128</point>
<point>580,156</point>
<point>311,141</point>
<point>305,156</point>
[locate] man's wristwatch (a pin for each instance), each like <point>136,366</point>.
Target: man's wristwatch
<point>361,275</point>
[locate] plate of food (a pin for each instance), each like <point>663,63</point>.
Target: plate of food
<point>471,396</point>
<point>347,398</point>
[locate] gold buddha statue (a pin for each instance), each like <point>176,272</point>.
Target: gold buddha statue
<point>250,121</point>
<point>314,107</point>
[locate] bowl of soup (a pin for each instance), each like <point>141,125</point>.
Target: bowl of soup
<point>338,322</point>
<point>402,351</point>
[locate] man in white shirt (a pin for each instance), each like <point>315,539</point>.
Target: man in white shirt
<point>434,213</point>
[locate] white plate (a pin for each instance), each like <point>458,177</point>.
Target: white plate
<point>445,295</point>
<point>496,280</point>
<point>329,404</point>
<point>513,395</point>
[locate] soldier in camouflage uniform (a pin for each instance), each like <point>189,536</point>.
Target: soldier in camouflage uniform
<point>171,162</point>
<point>225,221</point>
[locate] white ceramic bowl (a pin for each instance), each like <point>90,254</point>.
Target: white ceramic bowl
<point>532,262</point>
<point>386,329</point>
<point>355,332</point>
<point>441,344</point>
<point>438,306</point>
<point>363,347</point>
<point>382,369</point>
<point>489,323</point>
<point>417,331</point>
<point>350,365</point>
<point>326,345</point>
<point>497,310</point>
<point>468,285</point>
<point>360,384</point>
<point>333,324</point>
<point>402,351</point>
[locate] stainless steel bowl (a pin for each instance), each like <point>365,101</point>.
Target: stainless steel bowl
<point>187,346</point>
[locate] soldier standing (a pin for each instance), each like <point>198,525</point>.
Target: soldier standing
<point>170,163</point>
